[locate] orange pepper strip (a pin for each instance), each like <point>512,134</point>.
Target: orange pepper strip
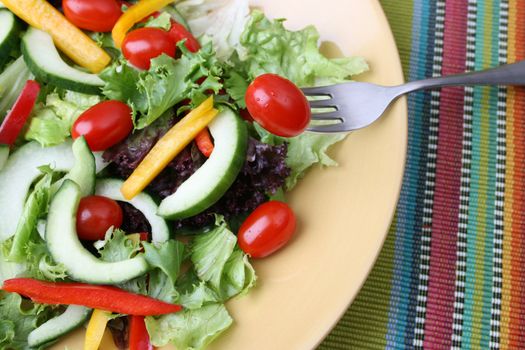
<point>204,143</point>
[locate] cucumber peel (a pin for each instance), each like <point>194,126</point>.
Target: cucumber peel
<point>66,249</point>
<point>43,59</point>
<point>209,183</point>
<point>143,202</point>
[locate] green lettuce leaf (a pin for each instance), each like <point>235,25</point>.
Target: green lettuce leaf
<point>218,262</point>
<point>304,151</point>
<point>117,246</point>
<point>168,82</point>
<point>162,21</point>
<point>35,206</point>
<point>267,46</point>
<point>39,262</point>
<point>236,86</point>
<point>189,329</point>
<point>309,149</point>
<point>210,252</point>
<point>238,275</point>
<point>26,253</point>
<point>121,83</point>
<point>270,48</point>
<point>166,259</point>
<point>195,293</point>
<point>199,296</point>
<point>18,318</point>
<point>51,122</point>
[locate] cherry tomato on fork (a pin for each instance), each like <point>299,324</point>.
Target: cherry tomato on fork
<point>267,229</point>
<point>95,215</point>
<point>278,105</point>
<point>94,15</point>
<point>143,44</point>
<point>104,125</point>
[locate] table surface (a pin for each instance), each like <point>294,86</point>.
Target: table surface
<point>452,271</point>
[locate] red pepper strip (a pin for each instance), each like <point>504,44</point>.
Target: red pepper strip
<point>178,32</point>
<point>96,297</point>
<point>17,117</point>
<point>144,236</point>
<point>138,334</point>
<point>204,143</point>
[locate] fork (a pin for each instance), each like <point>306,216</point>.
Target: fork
<point>351,106</point>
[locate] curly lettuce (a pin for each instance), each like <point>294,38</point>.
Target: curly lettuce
<point>168,82</point>
<point>51,121</point>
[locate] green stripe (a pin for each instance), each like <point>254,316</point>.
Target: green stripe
<point>481,213</point>
<point>400,18</point>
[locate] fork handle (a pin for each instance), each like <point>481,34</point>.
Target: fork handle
<point>510,74</point>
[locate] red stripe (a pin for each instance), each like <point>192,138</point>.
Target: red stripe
<point>441,286</point>
<point>517,231</point>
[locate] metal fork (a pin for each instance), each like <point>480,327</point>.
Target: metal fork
<point>351,106</point>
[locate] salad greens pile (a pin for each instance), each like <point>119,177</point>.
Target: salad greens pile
<point>237,46</point>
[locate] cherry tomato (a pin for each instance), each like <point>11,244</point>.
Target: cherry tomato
<point>278,105</point>
<point>267,229</point>
<point>95,216</point>
<point>143,44</point>
<point>94,15</point>
<point>178,32</point>
<point>104,125</point>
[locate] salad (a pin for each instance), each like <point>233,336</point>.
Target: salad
<point>146,148</point>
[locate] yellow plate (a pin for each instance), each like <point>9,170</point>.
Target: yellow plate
<point>344,213</point>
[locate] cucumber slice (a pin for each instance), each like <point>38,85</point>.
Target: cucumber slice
<point>72,318</point>
<point>45,62</point>
<point>4,154</point>
<point>65,247</point>
<point>84,171</point>
<point>159,229</point>
<point>9,31</point>
<point>12,81</point>
<point>21,170</point>
<point>216,175</point>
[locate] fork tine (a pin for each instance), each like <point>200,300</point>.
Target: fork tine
<point>327,116</point>
<point>332,128</point>
<point>317,91</point>
<point>323,104</point>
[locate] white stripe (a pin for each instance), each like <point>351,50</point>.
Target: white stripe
<point>500,187</point>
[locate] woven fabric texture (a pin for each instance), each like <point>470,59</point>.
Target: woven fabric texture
<point>452,272</point>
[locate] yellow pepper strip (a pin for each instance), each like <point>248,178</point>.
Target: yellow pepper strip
<point>168,147</point>
<point>95,329</point>
<point>135,14</point>
<point>67,37</point>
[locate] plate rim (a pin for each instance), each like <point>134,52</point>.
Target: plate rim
<point>403,102</point>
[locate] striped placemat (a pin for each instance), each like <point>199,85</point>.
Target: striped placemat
<point>452,272</point>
